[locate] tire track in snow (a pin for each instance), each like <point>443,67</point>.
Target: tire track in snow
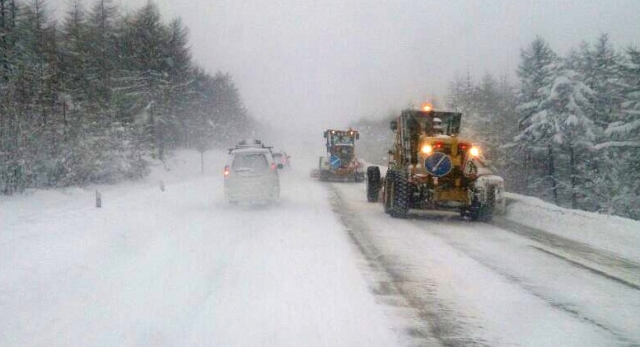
<point>440,321</point>
<point>436,324</point>
<point>562,306</point>
<point>597,261</point>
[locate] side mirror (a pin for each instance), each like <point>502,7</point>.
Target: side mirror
<point>393,125</point>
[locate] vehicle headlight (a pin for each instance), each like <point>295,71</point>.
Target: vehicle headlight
<point>474,151</point>
<point>426,149</point>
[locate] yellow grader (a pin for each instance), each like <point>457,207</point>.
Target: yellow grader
<point>432,168</point>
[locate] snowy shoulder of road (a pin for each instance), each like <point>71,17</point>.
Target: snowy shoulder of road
<point>614,234</point>
<point>178,266</point>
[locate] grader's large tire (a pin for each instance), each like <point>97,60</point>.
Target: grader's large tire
<point>387,191</point>
<point>373,183</point>
<point>400,195</point>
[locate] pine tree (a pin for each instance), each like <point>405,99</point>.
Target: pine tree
<point>9,118</point>
<point>7,37</point>
<point>74,52</point>
<point>229,113</point>
<point>488,109</point>
<point>36,94</point>
<point>102,57</point>
<point>145,39</point>
<point>571,108</point>
<point>532,144</point>
<point>598,67</point>
<point>462,98</point>
<point>180,76</point>
<point>622,141</point>
<point>504,127</point>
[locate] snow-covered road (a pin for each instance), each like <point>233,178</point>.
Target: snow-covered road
<point>182,268</point>
<point>321,268</point>
<point>479,284</point>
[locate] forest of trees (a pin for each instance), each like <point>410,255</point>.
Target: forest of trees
<point>95,98</point>
<point>577,143</point>
<point>568,132</point>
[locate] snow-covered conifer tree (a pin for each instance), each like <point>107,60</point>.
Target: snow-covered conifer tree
<point>622,141</point>
<point>536,72</point>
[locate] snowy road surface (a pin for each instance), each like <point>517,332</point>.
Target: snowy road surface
<point>321,268</point>
<point>478,284</point>
<point>182,268</point>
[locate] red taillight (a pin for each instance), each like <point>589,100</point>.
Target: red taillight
<point>464,147</point>
<point>273,166</point>
<point>226,171</point>
<point>438,145</point>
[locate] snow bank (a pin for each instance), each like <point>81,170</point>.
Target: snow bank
<point>611,233</point>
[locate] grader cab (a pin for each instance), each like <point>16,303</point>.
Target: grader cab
<point>432,168</point>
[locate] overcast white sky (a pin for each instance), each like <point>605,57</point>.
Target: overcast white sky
<point>321,63</point>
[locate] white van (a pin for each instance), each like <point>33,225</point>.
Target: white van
<point>251,176</point>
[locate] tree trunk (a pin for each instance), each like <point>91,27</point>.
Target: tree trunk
<point>574,181</point>
<point>528,167</point>
<point>4,31</point>
<point>552,174</point>
<point>160,140</point>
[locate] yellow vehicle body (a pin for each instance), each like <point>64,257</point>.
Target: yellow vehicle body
<point>432,168</point>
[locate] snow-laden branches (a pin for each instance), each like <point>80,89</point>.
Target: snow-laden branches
<point>618,144</point>
<point>579,125</point>
<point>92,99</point>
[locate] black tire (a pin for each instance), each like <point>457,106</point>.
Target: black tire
<point>400,195</point>
<point>387,191</point>
<point>373,183</point>
<point>474,209</point>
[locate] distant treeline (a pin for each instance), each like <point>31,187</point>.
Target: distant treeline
<point>568,133</point>
<point>91,100</point>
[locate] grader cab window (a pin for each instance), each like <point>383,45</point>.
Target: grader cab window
<point>432,123</point>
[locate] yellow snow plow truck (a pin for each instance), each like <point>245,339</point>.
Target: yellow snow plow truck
<point>340,163</point>
<point>431,168</point>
